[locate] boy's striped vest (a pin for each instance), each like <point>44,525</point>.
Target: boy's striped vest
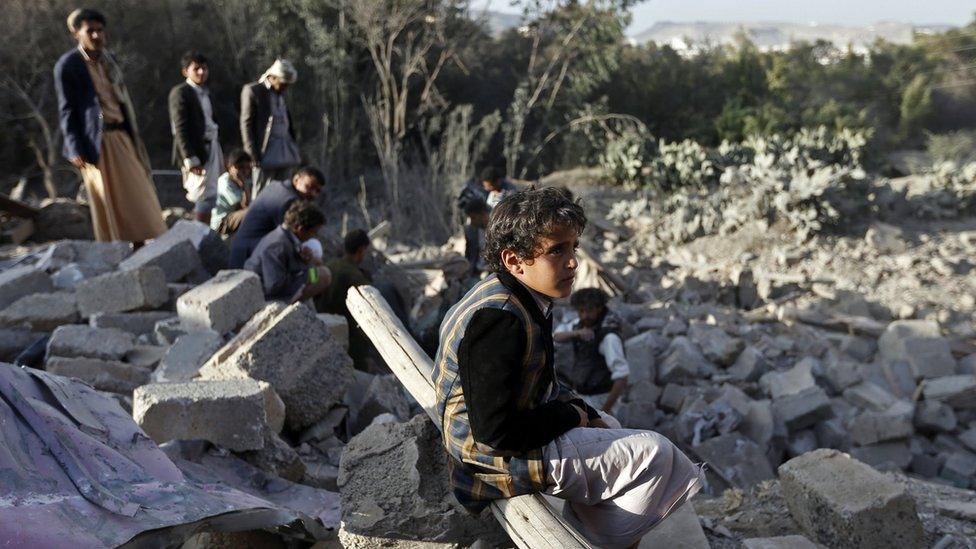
<point>479,473</point>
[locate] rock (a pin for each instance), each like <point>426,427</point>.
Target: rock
<point>802,442</point>
<point>222,303</point>
<point>861,349</point>
<point>789,382</point>
<point>233,413</point>
<point>18,282</point>
<point>840,374</point>
<point>968,438</point>
<point>886,239</point>
<point>62,218</point>
<point>640,351</point>
<point>290,348</point>
<point>122,291</point>
<point>841,502</point>
<point>749,366</point>
<point>801,410</point>
<point>88,255</point>
<point>414,501</point>
<point>673,397</point>
<point>888,456</point>
<point>870,395</point>
<point>338,326</point>
<point>932,416</point>
<point>831,433</point>
<point>384,395</point>
<point>168,330</point>
<point>14,342</point>
<point>781,542</point>
<point>276,457</point>
<point>892,424</point>
<point>41,312</point>
<point>716,345</point>
<point>920,344</point>
<point>187,355</point>
<point>967,365</point>
<point>104,375</point>
<point>136,323</point>
<point>674,327</point>
<point>684,362</point>
<point>147,356</point>
<point>74,340</point>
<point>735,458</point>
<point>177,259</point>
<point>210,247</point>
<point>956,391</point>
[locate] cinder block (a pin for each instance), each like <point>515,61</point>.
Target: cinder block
<point>841,502</point>
<point>176,258</point>
<point>43,312</point>
<point>921,345</point>
<point>233,413</point>
<point>190,351</point>
<point>18,282</point>
<point>223,303</point>
<point>956,391</point>
<point>123,291</point>
<point>803,409</point>
<point>104,375</point>
<point>76,340</point>
<point>136,323</point>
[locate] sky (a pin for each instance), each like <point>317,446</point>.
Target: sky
<point>846,12</point>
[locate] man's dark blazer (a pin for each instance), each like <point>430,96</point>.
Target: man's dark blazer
<point>265,214</point>
<point>79,113</point>
<point>189,125</point>
<point>255,118</point>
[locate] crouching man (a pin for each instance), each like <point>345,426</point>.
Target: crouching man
<point>509,427</point>
<point>289,271</point>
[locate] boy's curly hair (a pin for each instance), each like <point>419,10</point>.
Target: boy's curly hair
<point>305,214</point>
<point>522,219</point>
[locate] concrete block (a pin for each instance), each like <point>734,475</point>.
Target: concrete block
<point>177,258</point>
<point>75,340</point>
<point>683,362</point>
<point>147,356</point>
<point>136,323</point>
<point>960,469</point>
<point>290,348</point>
<point>749,366</point>
<point>717,346</point>
<point>338,326</point>
<point>781,542</point>
<point>13,342</point>
<point>233,413</point>
<point>168,330</point>
<point>187,355</point>
<point>640,351</point>
<point>840,374</point>
<point>277,458</point>
<point>869,395</point>
<point>89,255</point>
<point>921,345</point>
<point>801,410</point>
<point>968,438</point>
<point>832,433</point>
<point>104,375</point>
<point>673,397</point>
<point>886,456</point>
<point>892,424</point>
<point>223,303</point>
<point>21,281</point>
<point>956,391</point>
<point>788,382</point>
<point>210,248</point>
<point>932,416</point>
<point>122,291</point>
<point>841,502</point>
<point>737,459</point>
<point>41,312</point>
<point>383,395</point>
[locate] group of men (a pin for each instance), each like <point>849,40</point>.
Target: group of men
<point>511,424</point>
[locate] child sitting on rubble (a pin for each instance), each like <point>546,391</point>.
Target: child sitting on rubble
<point>509,427</point>
<point>599,369</point>
<point>289,269</point>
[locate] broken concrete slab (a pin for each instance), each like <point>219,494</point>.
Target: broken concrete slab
<point>870,395</point>
<point>91,256</point>
<point>640,351</point>
<point>210,248</point>
<point>166,331</point>
<point>801,410</point>
<point>749,366</point>
<point>886,456</point>
<point>177,259</point>
<point>788,382</point>
<point>383,395</point>
<point>136,323</point>
<point>716,345</point>
<point>338,326</point>
<point>75,340</point>
<point>290,348</point>
<point>41,312</point>
<point>233,413</point>
<point>187,355</point>
<point>17,282</point>
<point>920,344</point>
<point>105,375</point>
<point>684,362</point>
<point>892,424</point>
<point>839,374</point>
<point>737,459</point>
<point>932,416</point>
<point>222,303</point>
<point>122,291</point>
<point>841,502</point>
<point>414,501</point>
<point>956,391</point>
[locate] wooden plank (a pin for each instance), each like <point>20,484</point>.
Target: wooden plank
<point>529,520</point>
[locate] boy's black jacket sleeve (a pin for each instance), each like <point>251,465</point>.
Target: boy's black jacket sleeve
<point>489,366</point>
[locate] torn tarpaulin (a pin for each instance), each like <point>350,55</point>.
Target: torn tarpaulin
<point>76,470</point>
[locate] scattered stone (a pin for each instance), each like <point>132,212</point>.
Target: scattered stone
<point>177,259</point>
<point>932,416</point>
<point>290,348</point>
<point>136,323</point>
<point>750,365</point>
<point>892,424</point>
<point>684,362</point>
<point>956,391</point>
<point>888,456</point>
<point>13,342</point>
<point>960,469</point>
<point>886,239</point>
<point>640,351</point>
<point>104,375</point>
<point>716,345</point>
<point>187,355</point>
<point>41,312</point>
<point>840,374</point>
<point>781,542</point>
<point>789,382</point>
<point>122,291</point>
<point>414,500</point>
<point>338,326</point>
<point>75,340</point>
<point>210,248</point>
<point>920,344</point>
<point>736,459</point>
<point>223,303</point>
<point>18,282</point>
<point>804,409</point>
<point>233,413</point>
<point>384,395</point>
<point>90,256</point>
<point>276,457</point>
<point>841,502</point>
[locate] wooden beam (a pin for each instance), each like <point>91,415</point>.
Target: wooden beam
<point>529,520</point>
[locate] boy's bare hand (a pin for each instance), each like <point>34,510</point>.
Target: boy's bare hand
<point>599,424</point>
<point>585,334</point>
<point>584,421</point>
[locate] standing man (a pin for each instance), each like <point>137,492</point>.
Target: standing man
<point>267,211</point>
<point>196,148</point>
<point>101,137</point>
<point>266,128</point>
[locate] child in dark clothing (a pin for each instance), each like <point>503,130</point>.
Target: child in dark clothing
<point>509,427</point>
